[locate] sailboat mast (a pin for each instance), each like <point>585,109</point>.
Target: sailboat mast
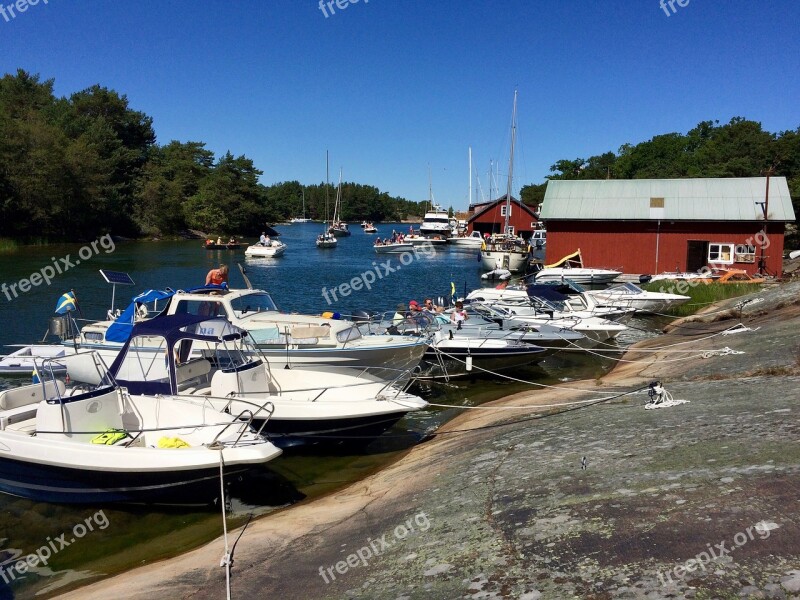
<point>511,160</point>
<point>470,175</point>
<point>327,188</point>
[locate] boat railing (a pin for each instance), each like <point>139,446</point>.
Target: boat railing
<point>267,407</point>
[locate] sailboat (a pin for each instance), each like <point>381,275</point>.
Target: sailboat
<point>303,218</point>
<point>338,229</point>
<point>505,251</point>
<point>326,239</point>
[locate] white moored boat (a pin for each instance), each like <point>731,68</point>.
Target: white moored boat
<point>571,267</point>
<point>106,445</point>
<point>472,241</point>
<point>629,295</point>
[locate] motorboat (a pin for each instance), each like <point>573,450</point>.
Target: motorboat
<point>418,239</point>
<point>369,228</point>
<point>436,222</point>
<point>101,445</point>
<point>326,240</point>
<point>290,406</point>
<point>393,248</point>
<point>339,229</point>
<point>24,360</point>
<point>272,249</point>
<point>285,339</point>
<point>571,267</point>
<point>629,295</point>
<point>473,241</point>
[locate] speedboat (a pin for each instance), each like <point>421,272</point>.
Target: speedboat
<point>290,406</point>
<point>273,249</point>
<point>629,295</point>
<point>571,267</point>
<point>369,228</point>
<point>473,241</point>
<point>393,248</point>
<point>421,240</point>
<point>93,446</point>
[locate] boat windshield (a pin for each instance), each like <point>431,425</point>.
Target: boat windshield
<point>253,303</point>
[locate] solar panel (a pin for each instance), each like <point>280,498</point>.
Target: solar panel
<point>116,277</point>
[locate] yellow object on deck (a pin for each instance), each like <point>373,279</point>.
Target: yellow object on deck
<point>110,437</point>
<point>172,442</point>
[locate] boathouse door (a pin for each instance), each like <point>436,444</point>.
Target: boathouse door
<point>696,255</point>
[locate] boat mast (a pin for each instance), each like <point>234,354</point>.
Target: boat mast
<point>327,189</point>
<point>470,175</point>
<point>511,161</point>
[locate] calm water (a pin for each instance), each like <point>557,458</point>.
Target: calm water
<point>133,536</point>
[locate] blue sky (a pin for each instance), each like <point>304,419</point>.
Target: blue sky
<point>392,86</point>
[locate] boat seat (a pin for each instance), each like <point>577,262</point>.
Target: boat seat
<point>29,395</point>
<point>17,415</point>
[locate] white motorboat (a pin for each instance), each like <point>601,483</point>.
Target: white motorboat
<point>291,406</point>
<point>326,240</point>
<point>23,360</point>
<point>272,249</point>
<point>394,248</point>
<point>473,241</point>
<point>629,295</point>
<point>107,445</point>
<point>369,228</point>
<point>421,240</point>
<point>285,339</point>
<point>436,222</point>
<point>571,267</point>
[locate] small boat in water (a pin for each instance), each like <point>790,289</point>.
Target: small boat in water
<point>393,248</point>
<point>473,241</point>
<point>629,295</point>
<point>272,249</point>
<point>93,446</point>
<point>24,360</point>
<point>369,228</point>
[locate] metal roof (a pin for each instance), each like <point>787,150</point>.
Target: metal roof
<point>720,199</point>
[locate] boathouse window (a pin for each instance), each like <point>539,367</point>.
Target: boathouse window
<point>720,253</point>
<point>745,253</point>
<point>503,210</point>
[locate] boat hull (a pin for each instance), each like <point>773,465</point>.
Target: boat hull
<point>394,248</point>
<point>46,483</point>
<point>265,251</point>
<point>498,259</point>
<point>483,359</point>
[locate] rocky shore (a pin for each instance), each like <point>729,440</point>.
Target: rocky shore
<point>598,498</point>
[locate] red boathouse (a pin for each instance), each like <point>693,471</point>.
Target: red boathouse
<point>490,217</point>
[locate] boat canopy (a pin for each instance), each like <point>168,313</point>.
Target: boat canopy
<point>545,292</point>
<point>120,329</point>
<point>169,331</point>
<point>573,260</point>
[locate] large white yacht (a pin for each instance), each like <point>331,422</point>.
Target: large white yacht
<point>436,223</point>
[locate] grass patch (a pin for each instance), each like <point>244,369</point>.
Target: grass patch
<point>701,294</point>
<point>7,246</point>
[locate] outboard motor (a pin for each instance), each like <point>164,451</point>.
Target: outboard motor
<point>645,278</point>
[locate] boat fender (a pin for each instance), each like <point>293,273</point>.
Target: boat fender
<point>469,363</point>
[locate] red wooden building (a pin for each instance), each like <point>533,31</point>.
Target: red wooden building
<point>657,225</point>
<point>490,217</point>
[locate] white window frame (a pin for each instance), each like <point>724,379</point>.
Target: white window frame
<point>722,249</point>
<point>745,253</point>
<point>503,210</point>
<point>510,230</point>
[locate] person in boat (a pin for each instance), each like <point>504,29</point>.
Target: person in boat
<point>378,242</point>
<point>232,240</point>
<point>263,239</point>
<point>219,241</point>
<point>459,315</point>
<point>209,242</point>
<point>217,276</point>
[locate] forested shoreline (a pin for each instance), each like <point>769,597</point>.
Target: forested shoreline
<point>79,167</point>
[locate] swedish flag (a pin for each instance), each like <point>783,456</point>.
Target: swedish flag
<point>453,293</point>
<point>66,303</point>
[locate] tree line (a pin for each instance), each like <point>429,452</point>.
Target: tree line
<point>78,167</point>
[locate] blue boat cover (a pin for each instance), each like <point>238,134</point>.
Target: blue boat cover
<point>120,329</point>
